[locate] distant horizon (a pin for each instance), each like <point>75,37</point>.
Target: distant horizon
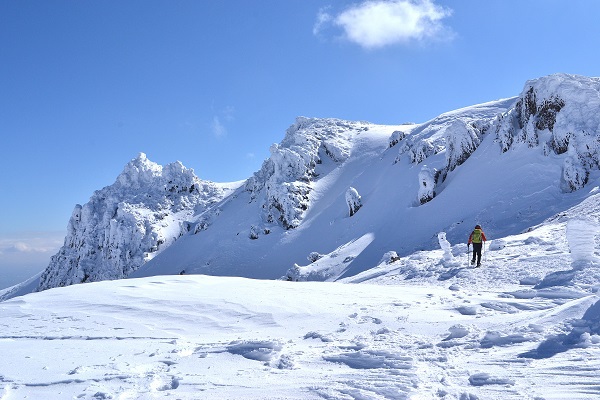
<point>24,254</point>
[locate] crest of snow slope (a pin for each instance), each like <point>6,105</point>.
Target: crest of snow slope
<point>126,224</point>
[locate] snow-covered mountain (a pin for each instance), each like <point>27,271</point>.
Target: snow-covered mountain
<point>413,181</point>
<point>333,184</point>
<point>126,224</point>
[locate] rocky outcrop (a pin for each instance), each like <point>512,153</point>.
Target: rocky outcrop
<point>283,184</point>
<point>559,113</point>
<point>126,224</point>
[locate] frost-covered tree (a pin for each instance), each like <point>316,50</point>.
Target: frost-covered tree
<point>574,174</point>
<point>426,184</point>
<point>314,256</point>
<point>421,150</point>
<point>353,200</point>
<point>253,232</point>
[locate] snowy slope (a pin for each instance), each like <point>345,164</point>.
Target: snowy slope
<point>413,181</point>
<point>525,326</point>
<point>401,316</point>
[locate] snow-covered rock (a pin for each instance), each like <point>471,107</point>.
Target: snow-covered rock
<point>125,224</point>
<point>283,184</point>
<point>560,113</point>
<point>353,200</point>
<point>426,184</point>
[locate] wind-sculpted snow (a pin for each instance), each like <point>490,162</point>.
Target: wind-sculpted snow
<point>126,224</point>
<point>581,236</point>
<point>404,333</point>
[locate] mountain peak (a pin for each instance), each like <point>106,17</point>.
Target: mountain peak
<point>139,172</point>
<point>126,224</point>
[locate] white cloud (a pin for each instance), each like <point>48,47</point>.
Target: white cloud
<point>25,254</point>
<point>378,23</point>
<point>323,18</point>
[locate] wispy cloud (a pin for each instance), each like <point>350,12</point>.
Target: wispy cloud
<point>220,119</point>
<point>40,243</point>
<point>323,19</point>
<point>379,23</point>
<point>218,129</point>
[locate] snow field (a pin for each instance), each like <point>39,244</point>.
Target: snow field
<point>420,331</point>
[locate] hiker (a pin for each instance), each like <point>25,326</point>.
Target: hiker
<point>477,237</point>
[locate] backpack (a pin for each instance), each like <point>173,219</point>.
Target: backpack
<point>476,236</point>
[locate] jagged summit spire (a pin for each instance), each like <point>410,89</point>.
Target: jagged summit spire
<point>139,172</point>
<point>126,224</point>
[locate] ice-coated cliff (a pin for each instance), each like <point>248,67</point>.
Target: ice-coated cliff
<point>127,223</point>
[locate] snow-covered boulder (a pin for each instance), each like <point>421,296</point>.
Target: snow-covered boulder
<point>353,200</point>
<point>125,224</point>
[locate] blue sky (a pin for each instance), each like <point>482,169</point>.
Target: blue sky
<point>87,85</point>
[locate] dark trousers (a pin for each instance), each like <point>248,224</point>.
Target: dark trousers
<point>477,252</point>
